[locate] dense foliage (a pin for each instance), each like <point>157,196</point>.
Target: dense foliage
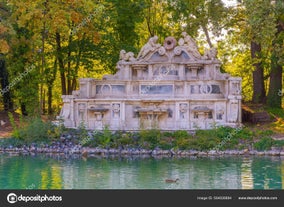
<point>46,45</point>
<point>35,132</point>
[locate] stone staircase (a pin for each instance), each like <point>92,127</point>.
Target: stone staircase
<point>255,114</point>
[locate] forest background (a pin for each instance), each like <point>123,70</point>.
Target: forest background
<point>47,45</point>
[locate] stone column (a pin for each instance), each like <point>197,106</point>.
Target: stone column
<point>72,111</point>
<point>208,72</point>
<point>128,88</point>
<point>67,111</point>
<point>126,72</point>
<point>150,72</point>
<point>86,87</point>
<point>183,115</point>
<point>181,72</point>
<point>93,90</point>
<point>98,121</point>
<point>234,115</point>
<point>89,88</point>
<point>83,88</point>
<point>122,118</point>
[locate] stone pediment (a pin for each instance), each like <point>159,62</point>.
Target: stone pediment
<point>185,50</point>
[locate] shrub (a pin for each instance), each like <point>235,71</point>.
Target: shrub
<point>225,131</point>
<point>265,143</point>
<point>150,138</point>
<point>15,142</point>
<point>105,138</point>
<point>166,143</point>
<point>15,128</point>
<point>203,143</point>
<point>168,134</point>
<point>83,132</point>
<point>278,143</point>
<point>126,140</point>
<point>182,143</point>
<point>92,139</point>
<point>34,129</point>
<point>180,134</point>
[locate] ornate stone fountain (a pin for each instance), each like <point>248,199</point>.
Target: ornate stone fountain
<point>169,87</point>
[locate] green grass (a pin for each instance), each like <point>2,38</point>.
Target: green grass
<point>276,112</point>
<point>218,138</point>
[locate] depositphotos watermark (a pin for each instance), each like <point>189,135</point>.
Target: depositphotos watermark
<point>87,20</point>
<point>16,80</point>
<point>280,92</point>
<point>226,139</point>
<point>13,198</point>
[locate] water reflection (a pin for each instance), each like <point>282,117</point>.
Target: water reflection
<point>266,173</point>
<point>246,174</point>
<point>282,173</point>
<point>41,172</point>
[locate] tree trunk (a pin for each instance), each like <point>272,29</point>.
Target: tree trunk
<point>7,100</point>
<point>69,72</point>
<point>275,84</point>
<point>61,64</point>
<point>205,30</point>
<point>274,97</point>
<point>43,110</point>
<point>258,77</point>
<point>50,83</point>
<point>24,109</point>
<point>49,100</point>
<point>78,59</point>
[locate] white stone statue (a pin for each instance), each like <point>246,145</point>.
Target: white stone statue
<point>210,54</point>
<point>116,110</point>
<point>126,56</point>
<point>190,44</point>
<point>122,54</point>
<point>235,88</point>
<point>151,45</point>
<point>183,109</point>
<point>76,93</point>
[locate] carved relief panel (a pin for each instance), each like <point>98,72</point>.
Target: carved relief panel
<point>183,115</point>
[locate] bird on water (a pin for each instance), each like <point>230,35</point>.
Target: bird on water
<point>172,180</point>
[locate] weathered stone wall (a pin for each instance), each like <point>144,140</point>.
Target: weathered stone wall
<point>170,87</point>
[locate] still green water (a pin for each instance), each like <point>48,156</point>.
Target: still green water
<point>43,172</point>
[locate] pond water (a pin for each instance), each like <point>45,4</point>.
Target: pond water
<point>46,172</point>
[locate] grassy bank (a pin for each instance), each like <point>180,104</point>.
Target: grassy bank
<point>38,132</point>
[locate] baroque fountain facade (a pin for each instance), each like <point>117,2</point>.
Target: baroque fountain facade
<point>168,86</point>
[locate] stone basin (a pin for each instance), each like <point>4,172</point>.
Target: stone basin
<point>98,109</point>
